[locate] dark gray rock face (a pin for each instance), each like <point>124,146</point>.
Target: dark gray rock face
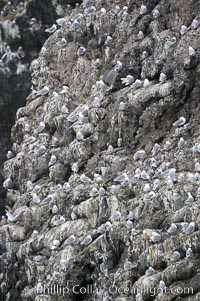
<point>104,182</point>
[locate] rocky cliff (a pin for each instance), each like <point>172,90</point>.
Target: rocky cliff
<point>22,34</point>
<point>103,177</point>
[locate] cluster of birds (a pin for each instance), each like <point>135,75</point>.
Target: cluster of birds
<point>10,31</point>
<point>160,175</point>
<point>75,23</point>
<point>15,57</point>
<point>123,180</point>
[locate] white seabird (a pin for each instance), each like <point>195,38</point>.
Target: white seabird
<point>87,240</point>
<point>180,122</point>
<point>81,51</point>
<point>70,240</point>
<point>143,10</point>
<point>52,29</point>
<point>85,179</point>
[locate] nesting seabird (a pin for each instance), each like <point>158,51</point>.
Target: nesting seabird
<point>129,225</point>
<point>9,155</point>
<point>139,297</point>
<point>70,240</point>
<point>121,178</point>
<point>155,237</point>
<point>114,189</point>
<point>85,179</point>
<point>116,215</point>
<point>104,227</point>
<point>144,175</point>
<point>181,143</point>
<point>81,51</point>
<point>118,67</point>
<point>156,149</point>
<point>195,24</point>
<point>56,188</point>
<point>61,22</point>
<point>54,209</point>
<point>97,63</point>
<point>162,78</point>
<point>64,109</point>
<point>197,167</point>
<point>143,10</point>
<point>156,184</point>
<point>43,91</point>
<point>140,35</point>
<point>90,10</point>
<point>189,201</point>
<point>101,191</point>
<point>55,244</point>
<point>34,234</point>
<point>175,256</point>
<point>149,196</point>
<point>36,198</point>
<point>101,13</point>
<point>47,199</point>
<point>150,271</point>
<point>67,187</point>
<point>52,29</point>
<point>139,155</point>
<point>59,221</point>
<point>74,167</point>
<point>190,228</point>
<point>64,265</point>
<point>180,122</point>
<point>41,150</point>
<point>172,229</point>
<point>119,142</point>
<point>62,43</point>
<point>87,240</point>
<point>191,51</point>
<point>127,264</point>
<point>30,140</point>
<point>147,187</point>
<point>36,189</point>
<point>79,136</point>
<point>44,51</point>
<point>128,80</point>
<point>108,41</point>
<point>167,145</point>
<point>189,252</point>
<point>64,90</point>
<point>94,192</point>
<point>110,149</point>
<point>35,64</point>
<point>156,13</point>
<point>12,217</point>
<point>136,85</point>
<point>100,85</point>
<point>52,160</point>
<point>146,83</point>
<point>193,178</point>
<point>27,127</point>
<point>183,30</point>
<point>161,285</point>
<point>85,110</point>
<point>29,185</point>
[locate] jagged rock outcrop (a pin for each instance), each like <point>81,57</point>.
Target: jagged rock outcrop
<point>105,176</point>
<point>22,34</point>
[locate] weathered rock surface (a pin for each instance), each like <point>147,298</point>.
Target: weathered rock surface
<point>22,34</point>
<point>80,231</point>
